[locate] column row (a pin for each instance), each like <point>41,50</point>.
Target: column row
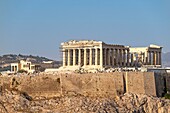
<point>115,57</point>
<point>154,58</point>
<point>81,57</point>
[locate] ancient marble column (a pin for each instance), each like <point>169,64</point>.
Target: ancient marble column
<point>105,51</point>
<point>157,58</point>
<point>74,57</point>
<point>113,54</point>
<point>68,57</point>
<point>85,57</point>
<point>146,58</point>
<point>142,57</point>
<point>120,57</point>
<point>158,63</point>
<point>149,57</point>
<point>116,57</point>
<point>153,58</point>
<point>90,57</point>
<point>127,60</point>
<point>131,59</point>
<point>96,56</point>
<point>160,59</point>
<point>124,58</point>
<point>79,57</point>
<point>108,56</point>
<point>64,57</point>
<point>101,56</point>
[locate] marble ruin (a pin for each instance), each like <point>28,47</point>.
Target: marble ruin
<point>23,65</point>
<point>90,54</point>
<point>148,56</point>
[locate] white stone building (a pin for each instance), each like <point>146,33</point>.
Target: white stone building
<point>90,54</point>
<point>147,56</point>
<point>22,65</point>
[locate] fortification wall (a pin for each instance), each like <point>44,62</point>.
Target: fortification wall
<point>160,84</point>
<point>168,83</point>
<point>98,84</point>
<point>134,82</point>
<point>103,84</point>
<point>141,83</point>
<point>149,83</point>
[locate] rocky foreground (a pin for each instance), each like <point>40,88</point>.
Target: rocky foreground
<point>21,102</point>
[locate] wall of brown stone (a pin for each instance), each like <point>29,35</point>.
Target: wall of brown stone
<point>103,84</point>
<point>149,83</point>
<point>160,84</point>
<point>98,84</point>
<point>143,83</point>
<point>168,83</point>
<point>134,82</point>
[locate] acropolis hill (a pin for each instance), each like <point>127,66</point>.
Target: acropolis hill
<point>89,92</point>
<point>67,89</point>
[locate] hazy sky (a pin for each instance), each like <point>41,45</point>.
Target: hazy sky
<point>38,27</point>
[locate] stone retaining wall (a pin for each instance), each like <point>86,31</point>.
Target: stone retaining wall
<point>98,84</point>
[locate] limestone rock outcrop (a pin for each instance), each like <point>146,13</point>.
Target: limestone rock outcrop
<point>79,93</point>
<point>20,102</point>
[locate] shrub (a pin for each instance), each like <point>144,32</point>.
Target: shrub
<point>22,71</point>
<point>42,69</point>
<point>167,96</point>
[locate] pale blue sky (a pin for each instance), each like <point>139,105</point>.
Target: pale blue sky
<point>38,27</point>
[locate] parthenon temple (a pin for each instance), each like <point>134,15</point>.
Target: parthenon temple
<point>92,54</point>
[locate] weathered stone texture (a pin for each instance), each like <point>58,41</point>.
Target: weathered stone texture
<point>160,84</point>
<point>84,93</point>
<point>135,82</point>
<point>98,84</point>
<point>168,83</point>
<point>17,102</point>
<point>92,84</point>
<point>149,83</point>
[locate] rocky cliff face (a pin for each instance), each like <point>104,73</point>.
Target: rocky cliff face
<point>20,102</point>
<point>63,93</point>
